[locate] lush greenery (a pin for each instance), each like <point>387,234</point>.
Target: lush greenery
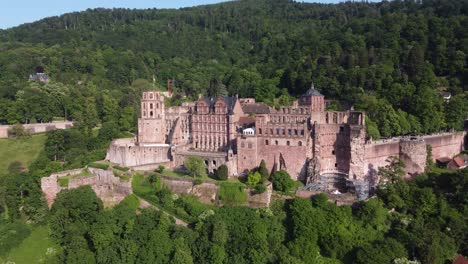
<point>24,151</point>
<point>232,193</point>
<point>282,181</point>
<point>195,166</point>
<point>391,59</point>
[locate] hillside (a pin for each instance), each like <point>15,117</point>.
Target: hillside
<point>391,59</point>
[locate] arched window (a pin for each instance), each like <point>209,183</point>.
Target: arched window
<point>266,142</point>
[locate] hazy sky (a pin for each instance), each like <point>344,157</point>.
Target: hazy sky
<point>16,12</point>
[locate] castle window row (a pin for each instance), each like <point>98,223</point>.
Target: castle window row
<point>288,143</point>
<point>283,131</point>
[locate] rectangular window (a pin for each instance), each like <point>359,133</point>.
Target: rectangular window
<point>250,145</point>
<point>266,142</point>
<point>302,132</point>
<point>277,131</point>
<point>284,131</point>
<point>333,152</point>
<point>289,132</point>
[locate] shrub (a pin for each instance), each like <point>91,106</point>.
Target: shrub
<point>195,166</point>
<point>11,235</point>
<point>125,169</point>
<point>197,181</point>
<point>222,173</point>
<point>160,169</point>
<point>253,178</point>
<point>260,188</point>
<point>98,165</point>
<point>155,181</point>
<point>18,131</point>
<point>232,193</point>
<point>282,181</point>
<point>16,167</point>
<point>263,171</point>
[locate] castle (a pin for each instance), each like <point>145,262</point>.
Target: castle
<point>326,150</point>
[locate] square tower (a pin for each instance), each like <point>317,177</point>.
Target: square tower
<point>151,124</point>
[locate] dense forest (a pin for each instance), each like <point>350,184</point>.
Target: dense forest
<point>391,59</point>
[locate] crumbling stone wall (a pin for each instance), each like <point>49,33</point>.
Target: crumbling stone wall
<point>207,192</point>
<point>37,128</point>
<point>445,145</point>
<point>127,153</point>
<point>108,188</point>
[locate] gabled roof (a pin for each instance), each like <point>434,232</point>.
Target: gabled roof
<point>230,101</point>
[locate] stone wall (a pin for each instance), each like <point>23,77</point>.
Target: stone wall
<point>126,152</point>
<point>445,145</point>
<point>207,192</point>
<point>37,128</point>
<point>108,188</point>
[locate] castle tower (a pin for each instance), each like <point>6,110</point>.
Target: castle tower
<point>151,125</point>
<point>314,99</point>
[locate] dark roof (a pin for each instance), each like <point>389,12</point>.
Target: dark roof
<point>256,108</point>
<point>312,92</point>
<point>246,120</point>
<point>230,101</point>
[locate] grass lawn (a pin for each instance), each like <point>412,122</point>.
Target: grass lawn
<point>33,249</point>
<point>23,150</point>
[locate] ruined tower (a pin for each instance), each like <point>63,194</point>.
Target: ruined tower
<point>151,125</point>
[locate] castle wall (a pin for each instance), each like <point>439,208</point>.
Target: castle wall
<point>126,153</point>
<point>37,128</point>
<point>445,145</point>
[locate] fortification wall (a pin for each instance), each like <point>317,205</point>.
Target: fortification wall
<point>108,188</point>
<point>126,153</point>
<point>413,153</point>
<point>207,192</point>
<point>37,128</point>
<point>445,145</point>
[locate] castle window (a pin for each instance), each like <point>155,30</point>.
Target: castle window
<point>341,128</point>
<point>302,132</point>
<point>242,145</point>
<point>288,143</point>
<point>271,131</point>
<point>277,131</point>
<point>151,95</point>
<point>284,131</point>
<point>151,106</point>
<point>260,131</point>
<point>206,162</point>
<point>276,142</point>
<point>289,132</point>
<point>151,113</point>
<point>144,113</point>
<point>295,132</point>
<point>250,145</point>
<point>214,162</point>
<point>333,152</point>
<point>336,165</point>
<point>157,105</point>
<point>266,142</point>
<point>299,143</point>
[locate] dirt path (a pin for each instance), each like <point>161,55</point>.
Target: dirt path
<point>145,204</point>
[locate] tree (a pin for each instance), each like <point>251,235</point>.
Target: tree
<point>253,178</point>
<point>18,131</point>
<point>126,119</point>
<point>392,172</point>
<point>195,166</point>
<point>222,173</point>
<point>55,144</point>
<point>262,169</point>
<point>282,181</point>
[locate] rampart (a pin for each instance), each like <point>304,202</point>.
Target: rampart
<point>37,128</point>
<point>109,188</point>
<point>129,154</point>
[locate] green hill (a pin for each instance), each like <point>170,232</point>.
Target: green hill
<point>23,150</point>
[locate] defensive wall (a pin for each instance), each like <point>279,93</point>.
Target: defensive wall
<point>37,128</point>
<point>207,192</point>
<point>109,188</point>
<point>128,153</point>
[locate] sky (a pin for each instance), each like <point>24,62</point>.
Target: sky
<point>16,12</point>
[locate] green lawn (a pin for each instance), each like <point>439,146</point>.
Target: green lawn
<point>23,150</point>
<point>34,248</point>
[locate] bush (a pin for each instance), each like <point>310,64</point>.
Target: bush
<point>197,181</point>
<point>222,173</point>
<point>160,169</point>
<point>195,166</point>
<point>98,165</point>
<point>125,169</point>
<point>282,181</point>
<point>232,193</point>
<point>254,178</point>
<point>18,131</point>
<point>260,188</point>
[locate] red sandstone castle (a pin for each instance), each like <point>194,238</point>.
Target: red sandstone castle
<point>327,150</point>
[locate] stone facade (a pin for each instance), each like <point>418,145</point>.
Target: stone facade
<point>327,150</point>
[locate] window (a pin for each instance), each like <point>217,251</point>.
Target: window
<point>295,132</point>
<point>341,128</point>
<point>266,142</point>
<point>289,132</point>
<point>271,131</point>
<point>336,165</point>
<point>299,143</point>
<point>151,106</point>
<point>277,131</point>
<point>288,143</point>
<point>242,145</point>
<point>151,113</point>
<point>302,132</point>
<point>250,145</point>
<point>284,131</point>
<point>260,131</point>
<point>276,142</point>
<point>333,152</point>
